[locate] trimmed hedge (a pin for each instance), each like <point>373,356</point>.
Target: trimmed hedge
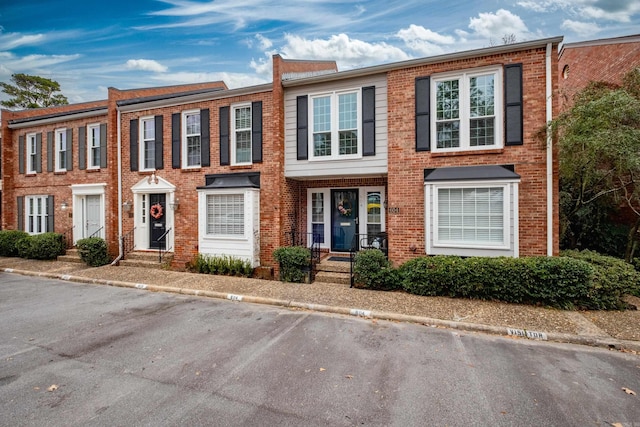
<point>372,270</point>
<point>41,246</point>
<point>8,241</point>
<point>222,265</point>
<point>294,261</point>
<point>93,251</point>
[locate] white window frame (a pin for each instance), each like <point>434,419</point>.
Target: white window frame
<point>32,153</point>
<point>464,78</point>
<point>39,217</point>
<point>60,142</point>
<point>93,143</point>
<point>185,159</point>
<point>142,145</point>
<point>335,120</point>
<point>234,132</point>
<point>213,234</point>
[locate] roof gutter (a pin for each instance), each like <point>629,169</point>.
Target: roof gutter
<point>25,123</point>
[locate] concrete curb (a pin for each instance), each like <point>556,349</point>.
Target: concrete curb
<point>593,341</point>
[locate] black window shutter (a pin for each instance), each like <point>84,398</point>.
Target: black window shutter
<point>205,138</point>
<point>82,148</point>
<point>69,153</point>
<point>20,207</point>
<point>21,154</point>
<point>50,215</point>
<point>175,140</point>
<point>302,134</point>
<point>513,104</point>
<point>224,136</point>
<point>159,149</point>
<point>256,132</point>
<point>39,152</point>
<point>133,145</point>
<point>103,145</point>
<point>50,152</point>
<point>369,121</point>
<point>423,121</point>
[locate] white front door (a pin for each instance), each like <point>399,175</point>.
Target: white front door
<point>92,216</point>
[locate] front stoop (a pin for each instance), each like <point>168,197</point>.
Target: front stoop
<point>146,259</point>
<point>333,272</point>
<point>71,255</point>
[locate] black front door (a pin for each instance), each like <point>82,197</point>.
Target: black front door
<point>157,219</point>
<point>344,219</point>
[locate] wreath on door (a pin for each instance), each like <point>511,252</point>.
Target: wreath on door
<point>344,207</point>
<point>156,211</point>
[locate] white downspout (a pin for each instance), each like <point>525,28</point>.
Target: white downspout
<point>120,241</point>
<point>549,152</point>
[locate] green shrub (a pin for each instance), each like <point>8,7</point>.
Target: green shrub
<point>372,270</point>
<point>613,279</point>
<point>41,246</point>
<point>93,251</point>
<point>8,240</point>
<point>221,265</point>
<point>295,262</point>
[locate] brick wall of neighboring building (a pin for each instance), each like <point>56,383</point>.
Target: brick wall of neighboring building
<point>606,60</point>
<point>406,229</point>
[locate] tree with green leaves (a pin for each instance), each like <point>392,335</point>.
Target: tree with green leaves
<point>599,153</point>
<point>32,92</point>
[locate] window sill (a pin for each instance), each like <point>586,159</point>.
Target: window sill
<point>93,170</point>
<point>239,167</point>
<point>467,152</point>
<point>191,169</point>
<point>60,173</point>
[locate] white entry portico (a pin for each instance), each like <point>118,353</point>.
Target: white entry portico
<point>147,192</point>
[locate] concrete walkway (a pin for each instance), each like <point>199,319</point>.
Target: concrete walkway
<point>610,329</point>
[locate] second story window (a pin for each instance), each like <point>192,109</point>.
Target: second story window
<point>61,150</point>
<point>335,125</point>
<point>93,136</point>
<point>32,153</point>
<point>191,143</point>
<point>148,146</point>
<point>241,134</point>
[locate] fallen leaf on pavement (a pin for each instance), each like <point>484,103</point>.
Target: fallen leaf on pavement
<point>349,376</point>
<point>322,369</point>
<point>629,391</point>
<point>52,387</point>
<point>617,425</point>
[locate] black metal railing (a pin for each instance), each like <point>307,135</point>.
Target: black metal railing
<point>361,242</point>
<point>307,240</point>
<point>162,245</point>
<point>127,242</point>
<point>97,232</point>
<point>67,237</point>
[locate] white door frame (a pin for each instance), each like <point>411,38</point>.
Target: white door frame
<point>152,185</point>
<point>78,194</point>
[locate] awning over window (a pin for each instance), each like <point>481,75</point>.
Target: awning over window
<point>471,173</point>
<point>232,180</point>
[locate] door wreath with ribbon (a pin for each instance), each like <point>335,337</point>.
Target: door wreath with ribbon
<point>156,211</point>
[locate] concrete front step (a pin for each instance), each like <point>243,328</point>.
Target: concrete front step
<point>332,277</point>
<point>71,255</point>
<point>146,255</point>
<point>142,263</point>
<point>146,259</point>
<point>334,266</point>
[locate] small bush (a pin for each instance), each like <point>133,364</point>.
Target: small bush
<point>294,261</point>
<point>41,246</point>
<point>372,270</point>
<point>93,251</point>
<point>221,265</point>
<point>8,240</point>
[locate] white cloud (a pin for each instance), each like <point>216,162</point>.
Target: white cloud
<point>265,43</point>
<point>423,40</point>
<point>233,80</point>
<point>146,65</point>
<point>347,52</point>
<point>583,29</point>
<point>13,40</point>
<point>611,10</point>
<point>495,25</point>
<point>613,13</point>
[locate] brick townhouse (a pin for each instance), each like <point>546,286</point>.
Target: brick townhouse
<point>435,155</point>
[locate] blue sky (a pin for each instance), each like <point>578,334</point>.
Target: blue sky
<point>89,46</point>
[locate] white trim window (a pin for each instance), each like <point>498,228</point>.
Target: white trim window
<point>61,150</point>
<point>241,135</point>
<point>147,143</point>
<point>32,153</point>
<point>336,130</point>
<point>93,146</point>
<point>191,139</point>
<point>225,215</point>
<point>36,214</point>
<point>318,216</point>
<point>467,110</point>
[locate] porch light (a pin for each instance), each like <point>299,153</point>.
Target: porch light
<point>126,206</point>
<point>175,204</point>
<point>64,206</point>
